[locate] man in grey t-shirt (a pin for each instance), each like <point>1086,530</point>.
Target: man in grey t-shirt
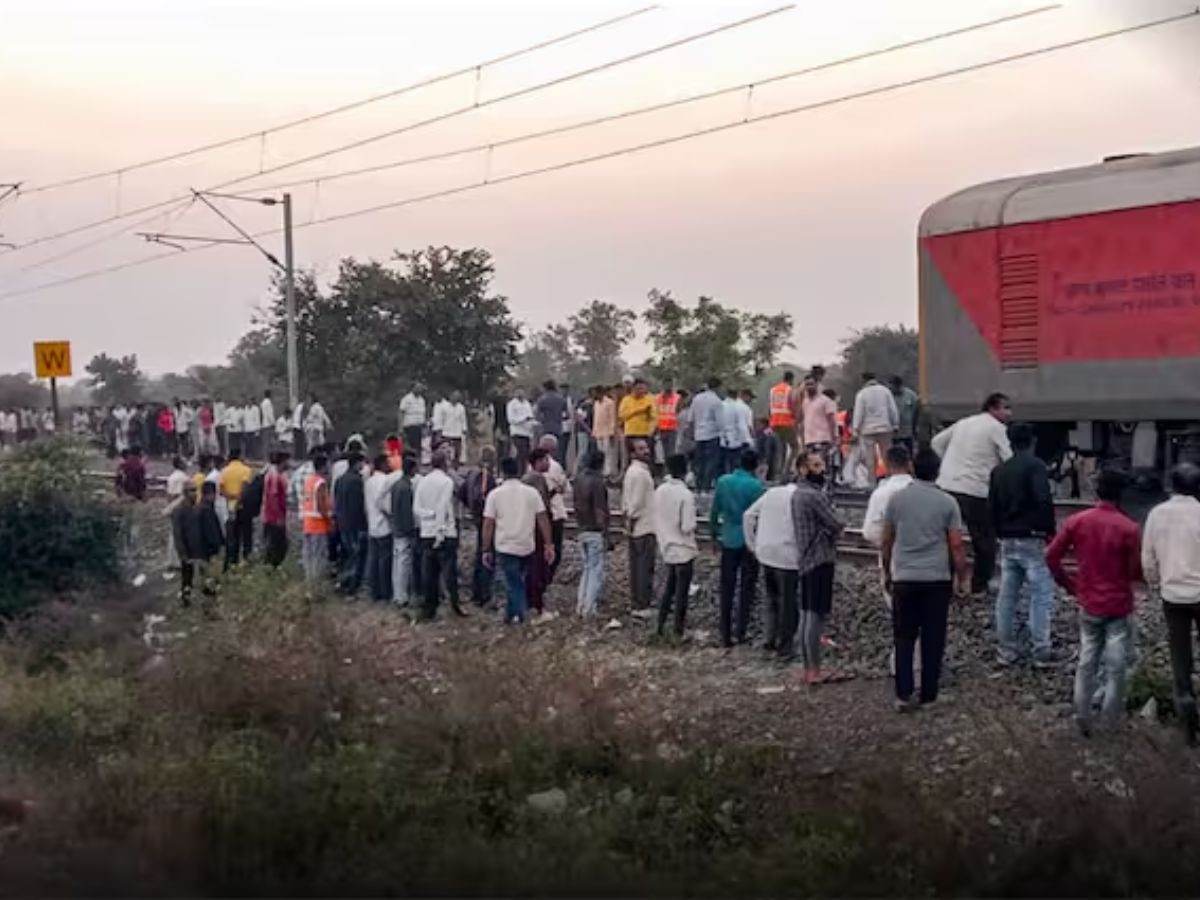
<point>922,540</point>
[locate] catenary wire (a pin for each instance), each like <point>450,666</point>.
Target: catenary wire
<point>571,76</point>
<point>653,108</point>
<point>170,212</point>
<point>337,110</point>
<point>765,117</point>
<point>513,95</point>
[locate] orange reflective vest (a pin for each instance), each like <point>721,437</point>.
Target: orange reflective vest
<point>782,415</point>
<point>313,518</point>
<point>845,434</point>
<point>668,414</point>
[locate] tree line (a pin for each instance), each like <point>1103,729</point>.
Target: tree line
<point>433,316</point>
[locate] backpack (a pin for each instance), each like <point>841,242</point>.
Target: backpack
<point>252,496</point>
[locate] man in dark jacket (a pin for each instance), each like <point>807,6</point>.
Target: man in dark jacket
<point>478,484</point>
<point>198,537</point>
<point>591,512</point>
<point>406,536</point>
<point>1022,510</point>
<point>350,511</point>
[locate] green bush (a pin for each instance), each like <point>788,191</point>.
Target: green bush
<point>57,532</point>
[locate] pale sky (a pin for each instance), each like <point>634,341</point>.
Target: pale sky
<point>814,214</point>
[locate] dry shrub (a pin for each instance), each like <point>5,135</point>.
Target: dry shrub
<point>289,745</point>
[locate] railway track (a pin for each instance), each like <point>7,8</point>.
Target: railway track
<point>852,546</point>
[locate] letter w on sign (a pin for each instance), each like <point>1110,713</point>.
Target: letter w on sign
<point>52,359</point>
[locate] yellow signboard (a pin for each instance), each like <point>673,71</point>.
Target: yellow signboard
<point>52,359</point>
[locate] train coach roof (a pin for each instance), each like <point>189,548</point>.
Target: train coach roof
<point>1119,183</point>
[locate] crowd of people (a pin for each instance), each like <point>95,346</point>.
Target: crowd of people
<point>390,522</point>
<point>190,428</point>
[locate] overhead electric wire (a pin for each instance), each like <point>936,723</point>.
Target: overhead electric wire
<point>662,142</point>
<point>337,110</point>
<point>413,126</point>
<point>656,107</point>
<point>179,205</point>
<point>513,95</point>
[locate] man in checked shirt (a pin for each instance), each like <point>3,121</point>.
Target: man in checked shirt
<point>817,530</point>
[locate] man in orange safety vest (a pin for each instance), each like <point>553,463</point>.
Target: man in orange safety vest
<point>667,407</point>
<point>316,519</point>
<point>783,422</point>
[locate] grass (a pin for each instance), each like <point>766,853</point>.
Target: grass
<point>286,744</point>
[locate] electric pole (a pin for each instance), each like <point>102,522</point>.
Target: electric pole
<point>289,295</point>
<point>288,266</point>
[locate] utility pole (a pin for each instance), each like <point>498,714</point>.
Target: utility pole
<point>288,266</point>
<point>289,294</point>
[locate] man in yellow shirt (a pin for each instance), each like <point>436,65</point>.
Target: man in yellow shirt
<point>239,530</point>
<point>637,415</point>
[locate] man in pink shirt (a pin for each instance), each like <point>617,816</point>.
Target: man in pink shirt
<point>818,418</point>
<point>274,509</point>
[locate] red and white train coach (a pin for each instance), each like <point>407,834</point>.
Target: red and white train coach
<point>1077,293</point>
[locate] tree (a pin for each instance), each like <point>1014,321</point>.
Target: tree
<point>712,339</point>
<point>115,379</point>
<point>22,390</point>
<point>548,354</point>
<point>599,332</point>
<point>883,350</point>
<point>766,337</point>
<point>432,318</point>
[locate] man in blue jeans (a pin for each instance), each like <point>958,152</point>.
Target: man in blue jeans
<point>1022,510</point>
<point>1104,542</point>
<point>591,514</point>
<point>511,513</point>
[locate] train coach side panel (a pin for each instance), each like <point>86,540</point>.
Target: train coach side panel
<point>1094,316</point>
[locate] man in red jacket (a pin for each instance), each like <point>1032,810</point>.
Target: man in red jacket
<point>274,509</point>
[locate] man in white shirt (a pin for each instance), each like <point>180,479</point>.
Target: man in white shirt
<point>637,502</point>
<point>8,428</point>
<point>235,416</point>
<point>438,419</point>
<point>266,412</point>
<point>379,531</point>
<point>970,449</point>
<point>675,531</point>
<point>284,436</point>
<point>298,414</point>
<point>433,507</point>
<point>176,482</point>
<point>453,428</point>
<point>413,416</point>
<point>899,463</point>
<point>1171,565</point>
<point>876,419</point>
<point>738,435</point>
<point>252,426</point>
<point>520,427</point>
<point>316,423</point>
<point>770,533</point>
<point>556,486</point>
<point>512,512</point>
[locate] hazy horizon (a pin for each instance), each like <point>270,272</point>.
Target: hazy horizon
<point>814,214</point>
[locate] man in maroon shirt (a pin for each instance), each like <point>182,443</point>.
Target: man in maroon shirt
<point>1105,543</point>
<point>274,509</point>
<point>131,474</point>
